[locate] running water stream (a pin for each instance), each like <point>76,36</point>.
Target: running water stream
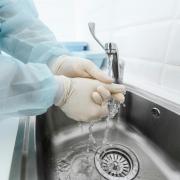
<point>92,145</point>
<point>113,107</point>
<point>79,163</point>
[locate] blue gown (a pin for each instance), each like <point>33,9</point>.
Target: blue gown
<point>27,87</point>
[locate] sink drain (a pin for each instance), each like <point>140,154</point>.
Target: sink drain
<point>116,162</point>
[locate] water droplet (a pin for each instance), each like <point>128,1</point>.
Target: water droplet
<point>91,141</point>
<point>80,124</point>
<point>124,105</point>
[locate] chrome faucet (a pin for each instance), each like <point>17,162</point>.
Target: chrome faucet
<point>113,65</point>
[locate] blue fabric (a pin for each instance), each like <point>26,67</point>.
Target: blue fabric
<point>81,49</point>
<point>76,46</point>
<point>27,87</point>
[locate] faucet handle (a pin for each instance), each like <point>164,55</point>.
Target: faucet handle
<point>91,26</point>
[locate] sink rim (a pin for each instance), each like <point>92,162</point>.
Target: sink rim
<point>166,103</point>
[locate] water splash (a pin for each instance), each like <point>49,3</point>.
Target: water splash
<point>80,124</point>
<point>113,107</point>
<point>63,165</point>
<point>78,165</point>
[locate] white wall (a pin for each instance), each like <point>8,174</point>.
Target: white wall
<point>147,33</point>
<point>59,16</point>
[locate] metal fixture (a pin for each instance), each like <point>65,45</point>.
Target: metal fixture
<point>116,65</point>
<point>156,112</point>
<point>116,162</point>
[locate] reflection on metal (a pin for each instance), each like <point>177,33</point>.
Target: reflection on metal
<point>24,165</point>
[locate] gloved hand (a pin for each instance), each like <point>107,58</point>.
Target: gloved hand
<point>71,66</point>
<point>79,93</point>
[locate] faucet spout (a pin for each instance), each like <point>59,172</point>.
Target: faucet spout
<point>115,65</point>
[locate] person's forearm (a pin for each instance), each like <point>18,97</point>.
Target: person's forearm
<point>26,89</point>
<point>25,37</point>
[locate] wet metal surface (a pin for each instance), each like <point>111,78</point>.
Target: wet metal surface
<point>60,144</point>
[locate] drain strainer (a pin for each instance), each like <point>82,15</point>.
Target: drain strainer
<point>116,162</point>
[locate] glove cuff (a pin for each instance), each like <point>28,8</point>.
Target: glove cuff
<point>65,87</point>
<point>56,63</point>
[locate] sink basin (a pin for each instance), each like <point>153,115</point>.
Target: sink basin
<point>142,142</point>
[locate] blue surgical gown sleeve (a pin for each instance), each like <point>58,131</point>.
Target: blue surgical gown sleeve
<point>25,89</point>
<point>24,36</point>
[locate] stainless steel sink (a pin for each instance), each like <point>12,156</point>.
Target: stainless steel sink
<point>143,144</point>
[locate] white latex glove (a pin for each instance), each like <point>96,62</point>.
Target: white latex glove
<point>77,101</point>
<point>71,66</point>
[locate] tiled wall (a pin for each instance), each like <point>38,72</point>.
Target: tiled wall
<point>147,33</point>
